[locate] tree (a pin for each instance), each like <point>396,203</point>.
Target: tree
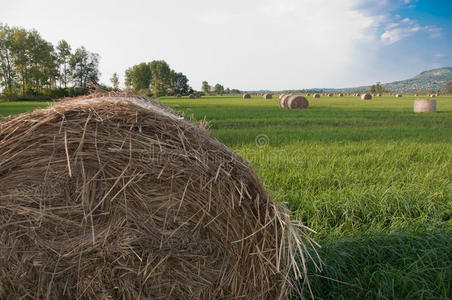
<point>447,88</point>
<point>115,81</point>
<point>227,91</point>
<point>84,68</point>
<point>161,78</point>
<point>138,77</point>
<point>7,71</point>
<point>205,87</point>
<point>377,88</point>
<point>64,55</point>
<point>179,83</point>
<point>219,89</point>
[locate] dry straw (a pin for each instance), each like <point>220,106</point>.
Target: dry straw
<point>295,102</point>
<point>246,96</point>
<point>267,96</point>
<point>316,95</point>
<point>398,95</point>
<point>424,106</point>
<point>366,96</point>
<point>115,197</point>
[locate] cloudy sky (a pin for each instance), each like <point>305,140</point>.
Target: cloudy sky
<point>252,44</point>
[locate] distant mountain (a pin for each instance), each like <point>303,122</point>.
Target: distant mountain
<point>429,80</point>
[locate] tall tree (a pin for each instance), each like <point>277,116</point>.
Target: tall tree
<point>84,68</point>
<point>161,77</point>
<point>7,70</point>
<point>138,77</point>
<point>115,81</point>
<point>64,55</point>
<point>205,87</point>
<point>219,89</point>
<point>179,83</point>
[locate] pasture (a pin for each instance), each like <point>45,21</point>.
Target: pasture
<point>373,179</point>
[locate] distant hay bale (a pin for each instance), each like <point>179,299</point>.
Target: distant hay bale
<point>378,95</point>
<point>117,197</point>
<point>366,96</point>
<point>297,102</point>
<point>191,96</point>
<point>340,95</point>
<point>432,96</point>
<point>268,96</point>
<point>308,94</point>
<point>246,96</point>
<point>415,95</point>
<point>398,95</point>
<point>178,96</point>
<point>316,95</point>
<point>330,94</point>
<point>424,105</point>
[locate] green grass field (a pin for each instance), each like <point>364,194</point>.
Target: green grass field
<point>371,177</point>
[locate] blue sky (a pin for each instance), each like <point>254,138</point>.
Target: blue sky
<point>253,44</point>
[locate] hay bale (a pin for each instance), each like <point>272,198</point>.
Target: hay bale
<point>330,95</point>
<point>398,95</point>
<point>378,95</point>
<point>178,96</point>
<point>308,94</point>
<point>246,96</point>
<point>424,105</point>
<point>283,101</point>
<point>316,95</point>
<point>121,198</point>
<point>296,102</point>
<point>268,96</point>
<point>340,95</point>
<point>366,96</point>
<point>432,96</point>
<point>191,96</point>
<point>280,96</point>
<point>415,95</point>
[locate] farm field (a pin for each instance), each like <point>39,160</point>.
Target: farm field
<point>371,177</point>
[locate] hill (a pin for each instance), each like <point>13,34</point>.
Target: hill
<point>432,80</point>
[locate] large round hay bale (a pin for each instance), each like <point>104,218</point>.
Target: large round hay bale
<point>330,94</point>
<point>285,99</point>
<point>316,95</point>
<point>246,96</point>
<point>268,96</point>
<point>415,95</point>
<point>424,105</point>
<point>121,198</point>
<point>178,96</point>
<point>398,95</point>
<point>296,102</point>
<point>191,96</point>
<point>378,94</point>
<point>366,96</point>
<point>432,96</point>
<point>340,95</point>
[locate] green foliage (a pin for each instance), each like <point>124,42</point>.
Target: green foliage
<point>138,77</point>
<point>377,88</point>
<point>205,87</point>
<point>219,89</point>
<point>447,88</point>
<point>29,64</point>
<point>84,66</point>
<point>156,78</point>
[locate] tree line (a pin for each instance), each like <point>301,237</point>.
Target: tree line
<point>30,65</point>
<point>156,78</point>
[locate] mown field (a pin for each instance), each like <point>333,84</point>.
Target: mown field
<point>371,177</point>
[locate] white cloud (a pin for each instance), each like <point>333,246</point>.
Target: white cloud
<point>397,31</point>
